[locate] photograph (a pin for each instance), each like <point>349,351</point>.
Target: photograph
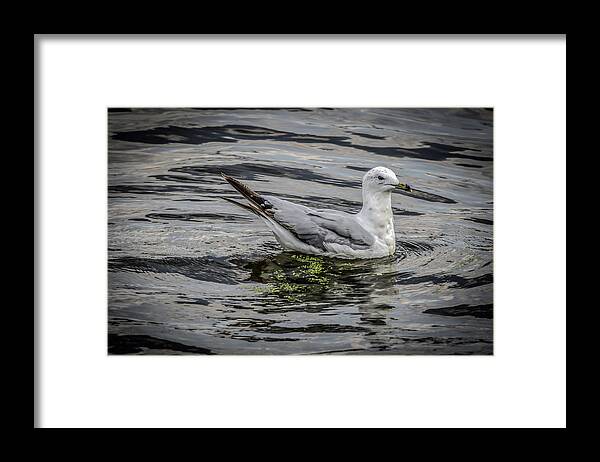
<point>300,231</point>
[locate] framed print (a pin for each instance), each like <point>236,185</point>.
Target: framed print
<point>288,231</point>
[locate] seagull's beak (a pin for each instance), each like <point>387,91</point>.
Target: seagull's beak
<point>406,190</point>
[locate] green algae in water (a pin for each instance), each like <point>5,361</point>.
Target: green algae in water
<point>301,276</point>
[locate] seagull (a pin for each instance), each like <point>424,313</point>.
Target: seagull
<point>331,233</point>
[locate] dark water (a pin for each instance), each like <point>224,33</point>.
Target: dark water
<point>191,274</point>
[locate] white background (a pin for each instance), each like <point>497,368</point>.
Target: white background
<point>523,384</point>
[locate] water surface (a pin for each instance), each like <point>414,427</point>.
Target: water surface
<point>189,273</point>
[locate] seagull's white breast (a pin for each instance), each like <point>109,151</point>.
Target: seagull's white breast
<point>380,223</point>
<point>390,236</point>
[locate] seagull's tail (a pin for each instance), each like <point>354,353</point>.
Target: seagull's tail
<point>260,206</point>
<point>257,204</point>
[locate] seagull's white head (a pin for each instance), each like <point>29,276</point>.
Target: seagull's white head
<point>380,179</point>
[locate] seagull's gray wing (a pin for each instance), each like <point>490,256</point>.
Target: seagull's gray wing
<point>317,227</point>
<point>311,226</point>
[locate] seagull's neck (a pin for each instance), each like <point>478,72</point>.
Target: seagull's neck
<point>377,208</point>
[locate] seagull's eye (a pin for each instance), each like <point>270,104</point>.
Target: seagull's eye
<point>380,178</point>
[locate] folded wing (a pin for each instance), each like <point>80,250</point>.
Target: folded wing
<point>319,228</point>
<point>315,227</point>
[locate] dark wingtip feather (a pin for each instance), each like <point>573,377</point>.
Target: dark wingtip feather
<point>245,191</point>
<point>252,209</point>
